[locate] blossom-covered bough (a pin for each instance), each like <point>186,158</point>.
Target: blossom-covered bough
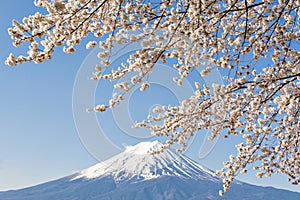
<point>254,43</point>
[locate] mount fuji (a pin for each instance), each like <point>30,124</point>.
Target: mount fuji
<point>135,174</point>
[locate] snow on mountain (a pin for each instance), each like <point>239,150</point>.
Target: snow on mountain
<point>143,147</point>
<point>136,163</point>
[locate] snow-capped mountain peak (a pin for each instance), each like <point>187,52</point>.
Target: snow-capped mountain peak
<point>143,147</point>
<point>137,164</point>
<point>127,176</point>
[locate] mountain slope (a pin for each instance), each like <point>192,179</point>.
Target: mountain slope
<point>138,164</point>
<point>136,175</point>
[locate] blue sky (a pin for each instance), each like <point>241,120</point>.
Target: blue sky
<point>38,137</point>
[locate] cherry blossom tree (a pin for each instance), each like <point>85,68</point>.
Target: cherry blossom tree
<point>254,43</point>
